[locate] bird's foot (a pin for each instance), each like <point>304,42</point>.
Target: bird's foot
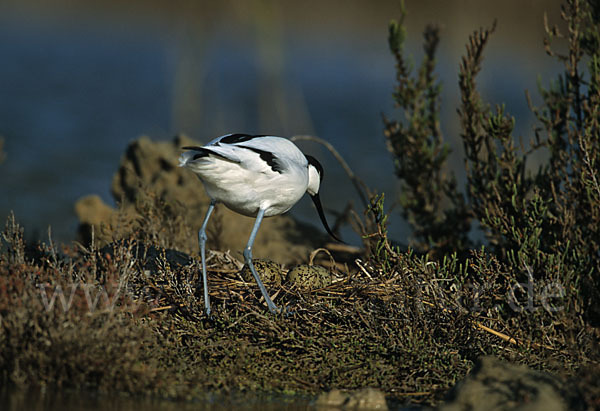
<point>285,311</point>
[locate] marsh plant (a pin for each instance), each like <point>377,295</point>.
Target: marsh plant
<point>536,276</point>
<point>129,317</point>
<point>542,225</point>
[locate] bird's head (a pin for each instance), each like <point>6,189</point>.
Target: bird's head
<point>315,176</point>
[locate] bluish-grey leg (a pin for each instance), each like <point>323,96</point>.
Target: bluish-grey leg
<point>248,259</point>
<point>202,240</point>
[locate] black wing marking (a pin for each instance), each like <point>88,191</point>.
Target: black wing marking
<point>204,152</point>
<point>234,139</point>
<point>201,152</point>
<point>238,138</point>
<point>268,157</point>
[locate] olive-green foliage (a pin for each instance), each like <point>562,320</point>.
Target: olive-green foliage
<point>49,335</point>
<point>420,152</point>
<point>537,279</point>
<point>147,333</point>
<point>409,323</point>
<point>131,320</point>
<point>543,224</point>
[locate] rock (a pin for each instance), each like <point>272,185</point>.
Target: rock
<point>309,276</point>
<point>497,385</point>
<point>93,212</point>
<point>362,399</point>
<point>149,179</point>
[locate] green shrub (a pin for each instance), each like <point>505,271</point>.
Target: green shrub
<point>543,226</point>
<point>411,323</point>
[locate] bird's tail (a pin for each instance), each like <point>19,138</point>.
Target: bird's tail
<point>194,153</point>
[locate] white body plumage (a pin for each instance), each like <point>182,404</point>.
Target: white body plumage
<point>257,176</point>
<point>235,174</point>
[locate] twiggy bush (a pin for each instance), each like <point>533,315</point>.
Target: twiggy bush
<point>542,225</point>
<point>62,326</point>
<point>129,317</point>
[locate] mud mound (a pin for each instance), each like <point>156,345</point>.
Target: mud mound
<point>149,179</point>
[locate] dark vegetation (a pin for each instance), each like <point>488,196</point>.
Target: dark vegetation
<point>128,318</point>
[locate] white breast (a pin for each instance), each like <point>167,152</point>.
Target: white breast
<point>241,179</point>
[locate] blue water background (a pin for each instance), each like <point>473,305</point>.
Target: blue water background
<point>76,88</point>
